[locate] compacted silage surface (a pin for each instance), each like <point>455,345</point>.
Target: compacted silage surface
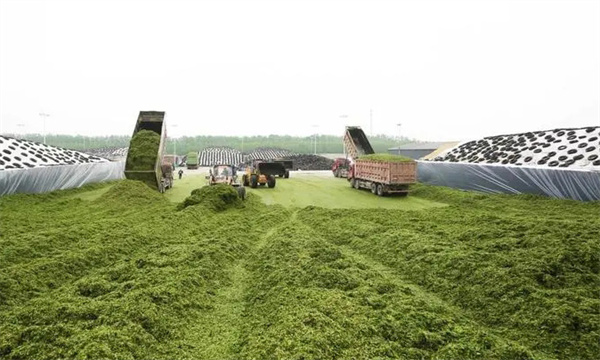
<point>126,274</point>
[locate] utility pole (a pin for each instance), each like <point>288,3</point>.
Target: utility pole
<point>44,116</point>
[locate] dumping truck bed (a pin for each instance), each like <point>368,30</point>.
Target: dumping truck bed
<point>356,142</point>
<point>383,177</point>
<point>154,121</point>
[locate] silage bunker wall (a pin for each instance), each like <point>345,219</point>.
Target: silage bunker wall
<point>582,185</point>
<point>50,178</point>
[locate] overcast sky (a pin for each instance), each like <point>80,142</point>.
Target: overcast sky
<point>445,70</point>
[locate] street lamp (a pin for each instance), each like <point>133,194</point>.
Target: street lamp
<point>44,116</point>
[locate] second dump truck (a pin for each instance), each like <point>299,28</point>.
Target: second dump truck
<point>383,177</point>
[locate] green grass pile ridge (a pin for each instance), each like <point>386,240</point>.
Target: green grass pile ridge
<point>217,197</point>
<point>525,266</point>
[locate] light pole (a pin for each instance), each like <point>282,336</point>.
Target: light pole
<point>44,116</point>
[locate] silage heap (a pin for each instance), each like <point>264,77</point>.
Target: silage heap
<point>128,275</point>
<point>217,197</point>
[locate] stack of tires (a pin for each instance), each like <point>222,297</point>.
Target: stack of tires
<point>562,148</point>
<point>268,154</point>
<point>24,154</point>
<point>220,156</point>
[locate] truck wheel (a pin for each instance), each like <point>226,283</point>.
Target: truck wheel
<point>241,192</point>
<point>271,181</point>
<point>374,188</point>
<point>356,184</point>
<point>352,182</point>
<point>287,174</point>
<point>254,181</point>
<point>380,191</point>
<point>336,173</point>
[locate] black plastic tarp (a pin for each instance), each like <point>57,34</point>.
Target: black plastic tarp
<point>583,185</point>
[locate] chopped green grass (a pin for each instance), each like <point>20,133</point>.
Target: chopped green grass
<point>386,158</point>
<point>118,271</point>
<point>143,150</point>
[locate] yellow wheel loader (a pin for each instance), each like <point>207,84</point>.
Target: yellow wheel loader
<point>262,173</point>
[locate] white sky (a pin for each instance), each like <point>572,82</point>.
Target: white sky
<point>446,70</point>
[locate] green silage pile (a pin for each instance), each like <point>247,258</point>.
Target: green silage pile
<point>386,158</point>
<point>128,275</point>
<point>217,197</point>
<point>143,150</point>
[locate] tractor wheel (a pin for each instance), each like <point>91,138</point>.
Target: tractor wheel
<point>254,181</point>
<point>241,192</point>
<point>271,181</point>
<point>287,174</point>
<point>380,191</point>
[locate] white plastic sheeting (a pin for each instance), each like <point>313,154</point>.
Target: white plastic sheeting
<point>50,178</point>
<point>583,185</point>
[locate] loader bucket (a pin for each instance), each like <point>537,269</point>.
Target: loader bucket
<point>271,168</point>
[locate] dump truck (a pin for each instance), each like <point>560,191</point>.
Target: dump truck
<point>262,173</point>
<point>356,144</point>
<point>153,173</point>
<point>340,167</point>
<point>167,176</point>
<point>383,177</point>
<point>287,166</point>
<point>192,160</point>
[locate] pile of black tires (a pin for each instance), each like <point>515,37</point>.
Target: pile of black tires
<point>24,154</point>
<point>310,162</point>
<point>219,156</point>
<point>562,148</point>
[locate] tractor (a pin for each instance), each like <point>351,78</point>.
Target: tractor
<point>262,173</point>
<point>226,174</point>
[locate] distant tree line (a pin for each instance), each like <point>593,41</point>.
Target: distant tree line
<point>185,144</point>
